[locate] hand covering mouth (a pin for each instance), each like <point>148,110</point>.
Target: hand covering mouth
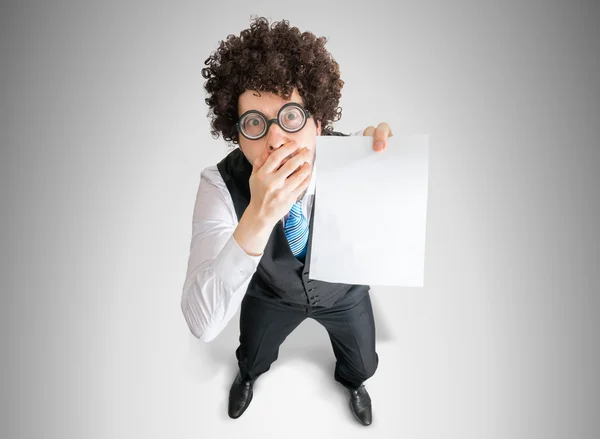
<point>284,161</point>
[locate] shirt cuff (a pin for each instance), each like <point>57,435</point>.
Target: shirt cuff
<point>233,265</point>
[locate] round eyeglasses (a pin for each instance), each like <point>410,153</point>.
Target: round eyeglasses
<point>254,125</point>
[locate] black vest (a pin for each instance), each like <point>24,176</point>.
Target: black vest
<point>280,276</point>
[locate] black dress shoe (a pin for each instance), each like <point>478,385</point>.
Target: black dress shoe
<point>360,403</point>
<point>240,396</point>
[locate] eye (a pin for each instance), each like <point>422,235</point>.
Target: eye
<point>293,118</point>
<point>253,125</point>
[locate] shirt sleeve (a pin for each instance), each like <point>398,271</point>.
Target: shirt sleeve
<point>219,270</point>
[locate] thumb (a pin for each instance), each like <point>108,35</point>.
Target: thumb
<point>255,165</point>
<point>258,162</point>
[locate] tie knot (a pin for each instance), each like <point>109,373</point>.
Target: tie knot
<point>296,210</point>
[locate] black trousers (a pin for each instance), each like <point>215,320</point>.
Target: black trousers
<point>264,325</point>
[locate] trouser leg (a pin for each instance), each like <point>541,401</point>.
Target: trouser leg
<point>351,329</point>
<point>263,328</point>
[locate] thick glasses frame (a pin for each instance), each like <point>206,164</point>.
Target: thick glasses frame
<point>307,116</point>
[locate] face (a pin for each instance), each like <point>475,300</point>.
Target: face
<point>269,104</point>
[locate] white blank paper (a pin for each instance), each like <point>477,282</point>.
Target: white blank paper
<point>370,211</point>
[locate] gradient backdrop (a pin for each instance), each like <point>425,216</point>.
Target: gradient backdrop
<point>104,135</point>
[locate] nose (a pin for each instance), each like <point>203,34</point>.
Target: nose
<point>275,137</point>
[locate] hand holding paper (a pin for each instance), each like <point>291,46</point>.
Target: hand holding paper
<point>380,135</point>
<point>370,211</point>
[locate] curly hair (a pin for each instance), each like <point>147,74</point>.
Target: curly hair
<point>276,59</point>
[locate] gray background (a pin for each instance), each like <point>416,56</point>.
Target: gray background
<point>104,134</point>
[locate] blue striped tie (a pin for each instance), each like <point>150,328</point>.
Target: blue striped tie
<point>296,231</point>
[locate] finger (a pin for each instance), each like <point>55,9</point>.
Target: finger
<point>298,176</point>
<point>380,137</point>
<point>369,131</point>
<point>294,163</point>
<point>289,157</point>
<point>303,182</point>
<point>274,160</point>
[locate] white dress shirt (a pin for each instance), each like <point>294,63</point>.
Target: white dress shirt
<point>219,270</point>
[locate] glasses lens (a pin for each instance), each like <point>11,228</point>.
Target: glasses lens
<point>292,118</point>
<point>253,125</point>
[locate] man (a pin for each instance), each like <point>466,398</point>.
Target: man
<point>272,90</point>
